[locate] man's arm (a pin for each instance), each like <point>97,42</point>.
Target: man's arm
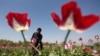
<point>34,35</point>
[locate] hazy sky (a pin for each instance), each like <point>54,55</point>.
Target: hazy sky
<point>39,12</point>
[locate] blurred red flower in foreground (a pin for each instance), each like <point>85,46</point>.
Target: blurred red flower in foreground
<point>18,21</point>
<point>72,18</point>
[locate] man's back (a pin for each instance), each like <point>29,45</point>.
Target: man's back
<point>38,38</point>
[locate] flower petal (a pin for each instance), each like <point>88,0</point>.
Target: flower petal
<point>77,18</point>
<point>66,9</point>
<point>56,19</point>
<point>21,18</point>
<point>9,19</point>
<point>19,27</point>
<point>89,20</point>
<point>83,22</point>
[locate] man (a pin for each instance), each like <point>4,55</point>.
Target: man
<point>36,40</point>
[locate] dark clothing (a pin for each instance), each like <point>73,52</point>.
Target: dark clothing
<point>38,43</point>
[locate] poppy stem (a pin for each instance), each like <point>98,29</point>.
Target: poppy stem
<point>66,37</point>
<point>25,42</point>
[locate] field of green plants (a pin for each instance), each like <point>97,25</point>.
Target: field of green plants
<point>10,48</point>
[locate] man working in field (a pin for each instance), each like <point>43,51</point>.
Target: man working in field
<point>36,40</point>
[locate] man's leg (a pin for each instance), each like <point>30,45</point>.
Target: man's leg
<point>33,52</point>
<point>41,45</point>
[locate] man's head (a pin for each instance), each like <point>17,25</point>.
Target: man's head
<point>39,30</point>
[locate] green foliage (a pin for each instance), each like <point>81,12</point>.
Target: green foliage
<point>48,50</point>
<point>96,46</point>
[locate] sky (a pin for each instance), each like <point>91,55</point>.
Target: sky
<point>39,12</point>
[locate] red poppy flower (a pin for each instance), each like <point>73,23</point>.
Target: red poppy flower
<point>4,45</point>
<point>86,50</point>
<point>18,21</point>
<point>72,18</point>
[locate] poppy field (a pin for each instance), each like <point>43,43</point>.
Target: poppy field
<point>9,48</point>
<point>71,20</point>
